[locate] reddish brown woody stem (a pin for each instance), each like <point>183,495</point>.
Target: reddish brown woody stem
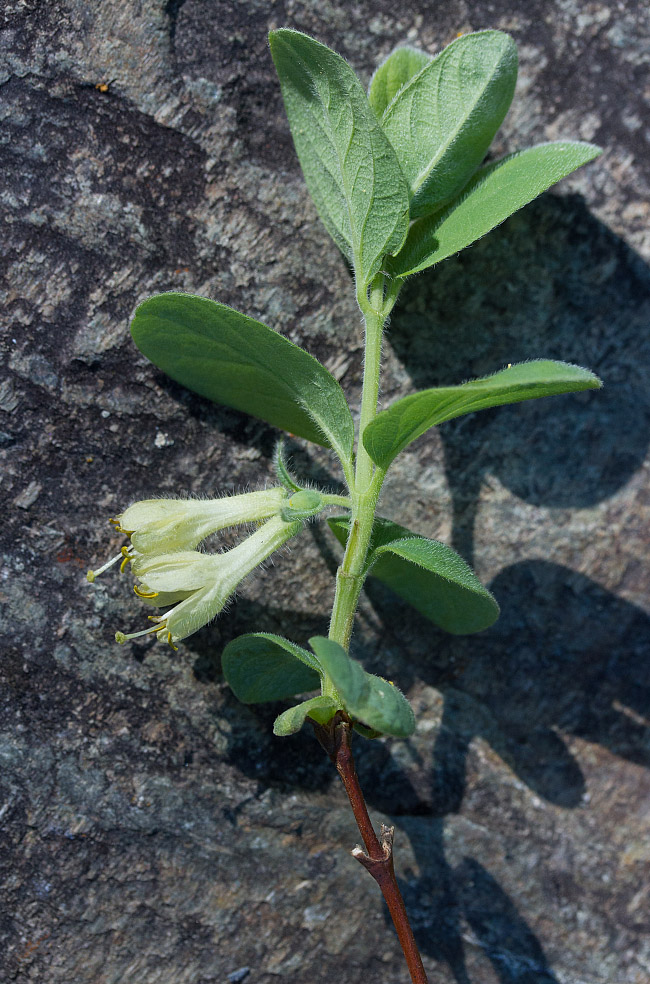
<point>378,856</point>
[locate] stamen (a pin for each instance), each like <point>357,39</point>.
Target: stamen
<point>91,575</point>
<point>127,558</point>
<point>169,640</point>
<point>145,594</point>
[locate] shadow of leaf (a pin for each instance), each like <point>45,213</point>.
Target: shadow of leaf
<point>568,289</point>
<point>565,658</point>
<point>506,938</point>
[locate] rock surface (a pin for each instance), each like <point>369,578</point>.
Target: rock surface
<point>153,828</point>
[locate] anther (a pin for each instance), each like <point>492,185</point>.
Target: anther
<point>145,594</point>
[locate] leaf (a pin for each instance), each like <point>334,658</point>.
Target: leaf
<point>442,123</point>
<point>376,702</point>
<point>392,74</point>
<point>261,666</point>
<point>349,164</point>
<point>428,575</point>
<point>494,193</point>
<point>282,469</point>
<point>393,429</point>
<point>231,359</point>
<point>321,709</point>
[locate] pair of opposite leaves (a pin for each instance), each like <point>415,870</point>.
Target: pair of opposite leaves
<point>263,667</point>
<point>411,148</point>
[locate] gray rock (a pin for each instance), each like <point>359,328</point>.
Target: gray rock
<point>153,828</point>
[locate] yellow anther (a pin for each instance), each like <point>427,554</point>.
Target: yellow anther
<point>145,594</point>
<point>169,640</point>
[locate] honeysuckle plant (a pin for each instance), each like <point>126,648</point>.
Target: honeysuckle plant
<point>399,178</point>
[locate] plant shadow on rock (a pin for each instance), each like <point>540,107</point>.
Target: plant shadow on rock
<point>566,288</point>
<point>566,656</point>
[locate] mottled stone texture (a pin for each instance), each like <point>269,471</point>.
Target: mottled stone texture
<point>153,830</point>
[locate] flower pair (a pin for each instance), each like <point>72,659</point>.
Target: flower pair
<point>164,535</point>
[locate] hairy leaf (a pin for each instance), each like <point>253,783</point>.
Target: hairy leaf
<point>443,121</point>
<point>349,164</point>
<point>232,359</point>
<point>375,702</point>
<point>393,73</point>
<point>261,666</point>
<point>495,192</point>
<point>393,429</point>
<point>321,709</point>
<point>428,575</point>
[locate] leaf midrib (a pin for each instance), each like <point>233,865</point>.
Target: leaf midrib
<point>423,176</point>
<point>404,431</point>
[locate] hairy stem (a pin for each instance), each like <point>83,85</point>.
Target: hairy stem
<point>377,859</point>
<point>376,306</point>
<point>374,318</point>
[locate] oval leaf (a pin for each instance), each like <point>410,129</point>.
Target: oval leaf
<point>349,164</point>
<point>494,193</point>
<point>235,360</point>
<point>428,575</point>
<point>393,429</point>
<point>375,702</point>
<point>261,666</point>
<point>442,123</point>
<point>321,709</point>
<point>393,73</point>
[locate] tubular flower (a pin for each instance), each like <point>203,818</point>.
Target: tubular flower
<point>171,572</point>
<point>199,585</point>
<point>163,525</point>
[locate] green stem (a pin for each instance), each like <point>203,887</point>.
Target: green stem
<point>329,499</point>
<point>374,318</point>
<point>368,478</point>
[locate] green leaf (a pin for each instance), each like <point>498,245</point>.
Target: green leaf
<point>393,73</point>
<point>376,702</point>
<point>349,164</point>
<point>442,123</point>
<point>261,666</point>
<point>282,469</point>
<point>428,575</point>
<point>231,359</point>
<point>393,429</point>
<point>494,193</point>
<point>321,709</point>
